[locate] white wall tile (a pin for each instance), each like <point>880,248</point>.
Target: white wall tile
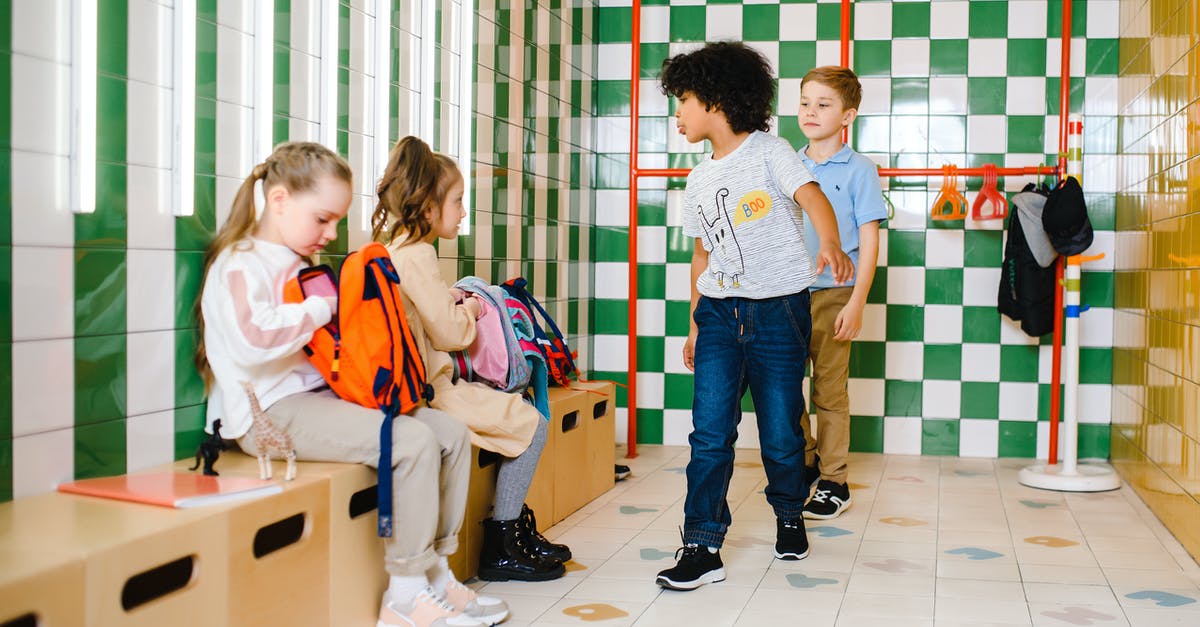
<point>42,461</point>
<point>40,29</point>
<point>723,21</point>
<point>987,133</point>
<point>873,20</point>
<point>612,353</point>
<point>866,396</point>
<point>797,22</point>
<point>43,296</point>
<point>150,364</point>
<point>941,399</point>
<point>906,285</point>
<point>901,435</point>
<point>43,393</point>
<point>987,57</point>
<point>1027,19</point>
<point>978,438</point>
<point>910,57</point>
<point>612,280</point>
<point>1096,327</point>
<point>943,324</point>
<point>237,14</point>
<point>905,361</point>
<point>874,323</point>
<point>361,107</point>
<point>1018,401</point>
<point>306,25</point>
<point>1026,95</point>
<point>41,212</point>
<point>1095,403</point>
<point>673,355</point>
<point>235,57</point>
<point>652,244</point>
<point>1102,19</point>
<point>613,61</point>
<point>949,20</point>
<point>149,440</point>
<point>876,93</point>
<point>981,362</point>
<point>944,248</point>
<point>830,53</point>
<point>226,190</point>
<point>150,37</point>
<point>650,390</point>
<point>980,286</point>
<point>150,276</point>
<point>235,127</point>
<point>652,317</point>
<point>677,425</point>
<point>1011,333</point>
<point>747,431</point>
<point>362,39</point>
<point>40,109</point>
<point>656,24</point>
<point>304,82</point>
<point>148,133</point>
<point>948,94</point>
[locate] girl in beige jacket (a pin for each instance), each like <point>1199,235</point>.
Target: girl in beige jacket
<point>420,200</point>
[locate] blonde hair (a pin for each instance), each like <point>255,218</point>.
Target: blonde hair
<point>416,179</point>
<point>297,166</point>
<point>841,80</point>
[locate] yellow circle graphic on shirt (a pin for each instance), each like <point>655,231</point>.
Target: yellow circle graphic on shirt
<point>752,206</point>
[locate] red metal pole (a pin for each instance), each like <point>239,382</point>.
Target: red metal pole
<point>1064,111</point>
<point>634,89</point>
<point>1020,171</point>
<point>845,50</point>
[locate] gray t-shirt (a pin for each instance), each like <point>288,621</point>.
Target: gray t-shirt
<point>741,209</point>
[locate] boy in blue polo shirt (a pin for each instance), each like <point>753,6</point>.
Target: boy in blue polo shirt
<point>829,99</point>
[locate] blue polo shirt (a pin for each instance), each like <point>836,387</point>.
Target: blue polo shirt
<point>851,183</point>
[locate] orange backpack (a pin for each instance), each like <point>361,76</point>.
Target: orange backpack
<point>367,353</point>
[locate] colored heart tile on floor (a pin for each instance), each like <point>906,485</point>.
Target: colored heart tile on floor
<point>593,612</point>
<point>653,555</point>
<point>1038,504</point>
<point>747,464</point>
<point>800,580</point>
<point>907,479</point>
<point>1079,616</point>
<point>857,486</point>
<point>573,566</point>
<point>975,553</point>
<point>970,473</point>
<point>894,566</point>
<point>1050,541</point>
<point>902,521</point>
<point>1160,598</point>
<point>830,532</point>
<point>634,510</point>
<point>679,470</point>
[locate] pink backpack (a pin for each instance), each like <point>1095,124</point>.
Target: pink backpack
<point>488,355</point>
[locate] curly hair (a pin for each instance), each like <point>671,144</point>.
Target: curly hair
<point>416,179</point>
<point>728,76</point>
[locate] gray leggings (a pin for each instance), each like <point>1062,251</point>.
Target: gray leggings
<point>515,475</point>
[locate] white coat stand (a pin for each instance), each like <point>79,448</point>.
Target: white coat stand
<point>1070,476</point>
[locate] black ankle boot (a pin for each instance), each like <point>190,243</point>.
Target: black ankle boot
<point>506,555</point>
<point>537,541</point>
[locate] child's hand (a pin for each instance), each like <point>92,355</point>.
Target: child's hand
<point>689,352</point>
<point>457,294</point>
<point>848,322</point>
<point>839,263</point>
<point>472,305</point>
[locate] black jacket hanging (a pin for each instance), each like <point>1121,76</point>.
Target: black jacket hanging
<point>1026,288</point>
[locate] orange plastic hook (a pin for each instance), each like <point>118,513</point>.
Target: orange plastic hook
<point>949,204</point>
<point>989,195</point>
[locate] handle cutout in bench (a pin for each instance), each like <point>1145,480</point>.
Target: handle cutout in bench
<point>278,535</point>
<point>487,458</point>
<point>599,409</point>
<point>570,421</point>
<point>364,501</point>
<point>158,582</point>
<point>28,620</point>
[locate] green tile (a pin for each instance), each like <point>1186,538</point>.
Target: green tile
<point>1052,96</point>
<point>1102,57</point>
<point>99,378</point>
<point>111,101</point>
<point>878,293</point>
<point>652,134</point>
<point>5,306</point>
<point>1054,19</point>
<point>1019,363</point>
<point>796,58</point>
<point>982,249</point>
<point>1095,364</point>
<point>986,95</point>
<point>980,400</point>
<point>652,58</point>
<point>829,22</point>
<point>687,23</point>
<point>1017,439</point>
<point>100,449</point>
<point>943,286</point>
<point>652,280</point>
<point>100,292</point>
<point>283,22</point>
<point>609,317</point>
<point>905,248</point>
<point>206,59</point>
<point>112,25</point>
<point>905,323</point>
<point>1096,289</point>
<point>760,22</point>
<point>988,19</point>
<point>866,434</point>
<point>872,58</point>
<point>650,351</point>
<point>1094,441</point>
<point>107,226</point>
<point>189,429</point>
<point>616,25</point>
<point>679,318</point>
<point>943,361</point>
<point>939,437</point>
<point>610,244</point>
<point>947,57</point>
<point>902,398</point>
<point>678,390</point>
<point>1026,133</point>
<point>189,275</point>
<point>679,246</point>
<point>189,387</point>
<point>1027,57</point>
<point>652,208</point>
<point>281,94</point>
<point>649,426</point>
<point>910,95</point>
<point>789,129</point>
<point>867,359</point>
<point>981,325</point>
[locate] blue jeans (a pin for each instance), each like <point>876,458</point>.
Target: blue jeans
<point>761,345</point>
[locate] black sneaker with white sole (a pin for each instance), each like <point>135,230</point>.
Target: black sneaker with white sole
<point>791,542</point>
<point>828,501</point>
<point>696,567</point>
<point>620,471</point>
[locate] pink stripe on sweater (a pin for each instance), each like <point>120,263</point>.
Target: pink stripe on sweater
<point>258,336</point>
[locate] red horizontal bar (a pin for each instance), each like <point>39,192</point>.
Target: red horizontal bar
<point>650,172</point>
<point>1028,171</point>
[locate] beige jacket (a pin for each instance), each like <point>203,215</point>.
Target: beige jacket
<point>499,421</point>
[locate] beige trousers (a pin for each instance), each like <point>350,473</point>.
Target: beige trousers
<point>431,456</point>
<point>831,365</point>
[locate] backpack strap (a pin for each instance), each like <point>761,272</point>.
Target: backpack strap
<point>539,382</point>
<point>519,290</point>
<point>384,473</point>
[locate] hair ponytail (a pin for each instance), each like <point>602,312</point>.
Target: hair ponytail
<point>416,179</point>
<point>297,166</point>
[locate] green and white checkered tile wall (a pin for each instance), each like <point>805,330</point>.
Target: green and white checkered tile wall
<point>936,370</point>
<point>96,311</point>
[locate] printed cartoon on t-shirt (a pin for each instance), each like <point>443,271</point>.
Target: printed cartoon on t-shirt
<point>721,231</point>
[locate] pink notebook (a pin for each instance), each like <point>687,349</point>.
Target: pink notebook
<point>173,489</point>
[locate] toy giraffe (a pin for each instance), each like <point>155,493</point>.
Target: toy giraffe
<point>268,439</point>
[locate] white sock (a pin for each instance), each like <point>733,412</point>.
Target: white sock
<point>403,590</point>
<point>711,549</point>
<point>440,575</point>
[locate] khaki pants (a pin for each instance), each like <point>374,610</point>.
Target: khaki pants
<point>431,456</point>
<point>831,365</point>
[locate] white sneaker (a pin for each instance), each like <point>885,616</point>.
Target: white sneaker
<point>487,610</point>
<point>426,610</point>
